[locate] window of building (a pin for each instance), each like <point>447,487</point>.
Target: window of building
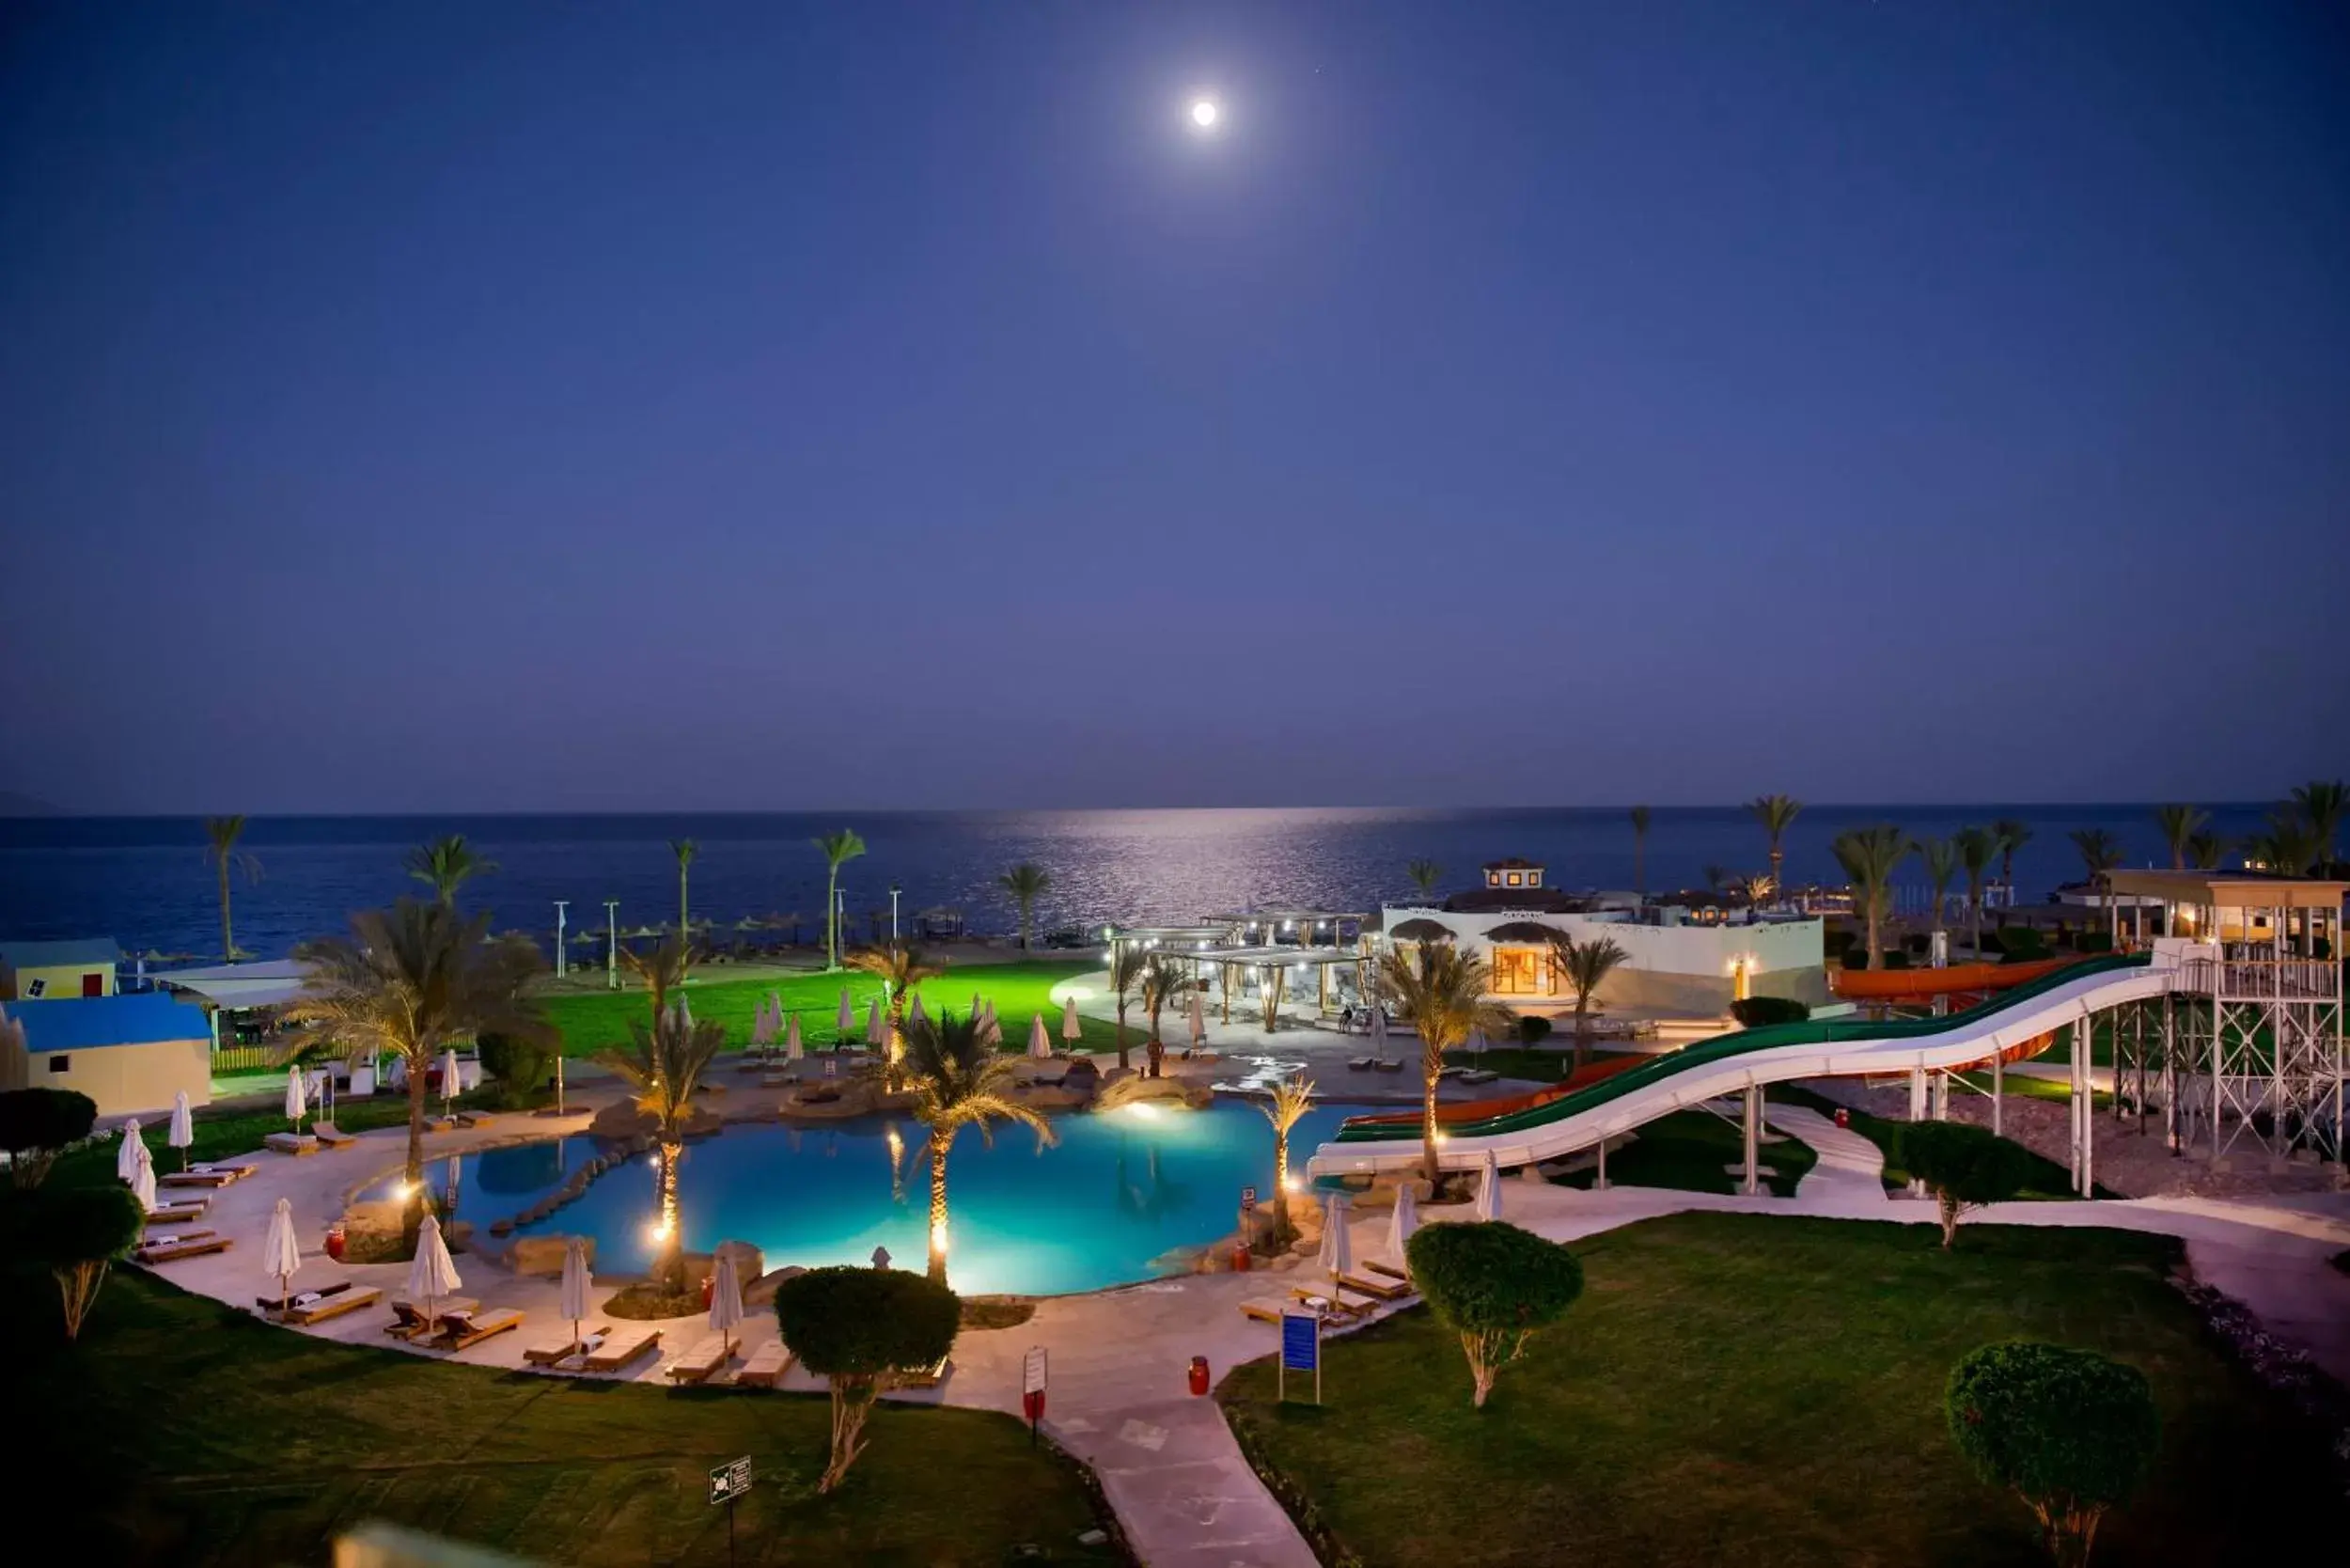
<point>34,988</point>
<point>1514,880</point>
<point>58,1064</point>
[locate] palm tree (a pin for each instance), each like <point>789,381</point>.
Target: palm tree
<point>661,970</point>
<point>409,981</point>
<point>1976,848</point>
<point>2100,851</point>
<point>1715,877</point>
<point>1870,855</point>
<point>1292,1099</point>
<point>1025,882</point>
<point>2204,850</point>
<point>1941,861</point>
<point>446,865</point>
<point>901,966</point>
<point>1126,965</point>
<point>684,849</point>
<point>1777,813</point>
<point>2288,846</point>
<point>838,850</point>
<point>2324,802</point>
<point>1640,849</point>
<point>2180,824</point>
<point>1164,979</point>
<point>1758,889</point>
<point>959,1082</point>
<point>1585,966</point>
<point>1425,874</point>
<point>223,832</point>
<point>662,1064</point>
<point>1442,989</point>
<point>2012,836</point>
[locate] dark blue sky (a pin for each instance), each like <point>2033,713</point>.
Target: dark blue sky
<point>504,407</point>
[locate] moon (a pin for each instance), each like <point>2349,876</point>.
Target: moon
<point>1205,113</point>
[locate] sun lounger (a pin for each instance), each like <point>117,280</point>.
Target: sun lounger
<point>1388,1269</point>
<point>766,1366</point>
<point>306,1313</point>
<point>176,1211</point>
<point>1480,1075</point>
<point>1377,1289</point>
<point>407,1319</point>
<point>923,1377</point>
<point>165,1250</point>
<point>1361,1064</point>
<point>272,1304</point>
<point>475,1119</point>
<point>462,1330</point>
<point>555,1356</point>
<point>624,1346</point>
<point>330,1135</point>
<point>697,1364</point>
<point>1264,1310</point>
<point>217,1173</point>
<point>1331,1303</point>
<point>290,1143</point>
<point>1395,1066</point>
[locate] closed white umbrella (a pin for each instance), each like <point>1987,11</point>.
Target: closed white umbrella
<point>297,1101</point>
<point>791,1048</point>
<point>992,1027</point>
<point>876,1032</point>
<point>127,1157</point>
<point>1338,1251</point>
<point>726,1299</point>
<point>432,1274</point>
<point>1040,1044</point>
<point>448,1076</point>
<point>978,1009</point>
<point>847,1020</point>
<point>1199,1021</point>
<point>575,1303</point>
<point>1379,1031</point>
<point>281,1254</point>
<point>1401,1223</point>
<point>1489,1190</point>
<point>685,1013</point>
<point>183,1127</point>
<point>914,1014</point>
<point>142,1180</point>
<point>1476,1041</point>
<point>1071,1030</point>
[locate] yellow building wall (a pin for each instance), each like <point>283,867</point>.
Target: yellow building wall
<point>63,981</point>
<point>129,1080</point>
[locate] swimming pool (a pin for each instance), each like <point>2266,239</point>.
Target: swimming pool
<point>1106,1204</point>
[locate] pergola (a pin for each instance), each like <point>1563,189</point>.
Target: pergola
<point>1186,941</point>
<point>1268,926</point>
<point>1272,963</point>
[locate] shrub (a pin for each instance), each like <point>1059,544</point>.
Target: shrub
<point>36,1124</point>
<point>1836,941</point>
<point>1494,1285</point>
<point>2021,944</point>
<point>861,1328</point>
<point>1964,1167</point>
<point>1917,941</point>
<point>74,1232</point>
<point>1991,943</point>
<point>1755,1013</point>
<point>2095,942</point>
<point>1533,1029</point>
<point>1855,957</point>
<point>2070,1432</point>
<point>518,1067</point>
<point>1896,958</point>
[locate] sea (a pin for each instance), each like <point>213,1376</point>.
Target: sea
<point>147,882</point>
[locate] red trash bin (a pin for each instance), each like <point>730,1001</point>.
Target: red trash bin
<point>1240,1259</point>
<point>1199,1374</point>
<point>710,1287</point>
<point>335,1241</point>
<point>1843,1117</point>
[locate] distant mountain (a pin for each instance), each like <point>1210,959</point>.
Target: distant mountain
<point>14,805</point>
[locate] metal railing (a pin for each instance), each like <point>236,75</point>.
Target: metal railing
<point>2255,979</point>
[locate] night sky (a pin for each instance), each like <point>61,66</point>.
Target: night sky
<point>503,407</point>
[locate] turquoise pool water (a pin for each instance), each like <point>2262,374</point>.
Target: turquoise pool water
<point>1108,1203</point>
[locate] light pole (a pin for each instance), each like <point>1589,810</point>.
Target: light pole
<point>894,891</point>
<point>839,917</point>
<point>612,944</point>
<point>560,906</point>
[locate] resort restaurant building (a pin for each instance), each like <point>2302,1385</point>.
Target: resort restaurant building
<point>49,971</point>
<point>1674,965</point>
<point>1297,959</point>
<point>129,1054</point>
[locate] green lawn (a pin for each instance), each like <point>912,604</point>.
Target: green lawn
<point>1690,1150</point>
<point>1760,1391</point>
<point>592,1019</point>
<point>2048,1179</point>
<point>179,1432</point>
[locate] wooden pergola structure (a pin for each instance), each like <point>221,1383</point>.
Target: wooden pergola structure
<point>1272,963</point>
<point>1302,927</point>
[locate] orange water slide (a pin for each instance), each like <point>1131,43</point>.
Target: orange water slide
<point>1924,985</point>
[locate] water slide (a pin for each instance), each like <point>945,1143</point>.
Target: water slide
<point>2004,1024</point>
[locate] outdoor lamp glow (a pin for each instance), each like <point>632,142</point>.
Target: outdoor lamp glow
<point>938,1235</point>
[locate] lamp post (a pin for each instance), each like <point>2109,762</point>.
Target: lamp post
<point>894,891</point>
<point>612,944</point>
<point>560,906</point>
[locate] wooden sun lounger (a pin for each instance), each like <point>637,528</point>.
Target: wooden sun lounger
<point>330,1135</point>
<point>1395,1066</point>
<point>290,1143</point>
<point>1375,1288</point>
<point>215,1174</point>
<point>463,1330</point>
<point>475,1119</point>
<point>332,1307</point>
<point>766,1366</point>
<point>407,1319</point>
<point>1331,1303</point>
<point>698,1364</point>
<point>1264,1310</point>
<point>1373,1266</point>
<point>1359,1065</point>
<point>553,1356</point>
<point>924,1377</point>
<point>165,1250</point>
<point>178,1210</point>
<point>272,1304</point>
<point>626,1345</point>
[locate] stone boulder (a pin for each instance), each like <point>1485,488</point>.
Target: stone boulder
<point>1170,1093</point>
<point>761,1290</point>
<point>1050,1096</point>
<point>543,1255</point>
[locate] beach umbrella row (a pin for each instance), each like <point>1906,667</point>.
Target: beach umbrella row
<point>133,1149</point>
<point>1072,1031</point>
<point>297,1100</point>
<point>575,1303</point>
<point>726,1298</point>
<point>432,1274</point>
<point>1040,1042</point>
<point>142,1180</point>
<point>1489,1190</point>
<point>281,1253</point>
<point>183,1127</point>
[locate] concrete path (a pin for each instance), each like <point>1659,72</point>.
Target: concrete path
<point>1119,1359</point>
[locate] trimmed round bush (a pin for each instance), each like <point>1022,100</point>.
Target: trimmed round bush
<point>1533,1029</point>
<point>2070,1432</point>
<point>36,1124</point>
<point>1964,1166</point>
<point>2021,944</point>
<point>518,1067</point>
<point>1755,1013</point>
<point>74,1232</point>
<point>1493,1284</point>
<point>860,1329</point>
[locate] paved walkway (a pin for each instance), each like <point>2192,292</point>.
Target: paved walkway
<point>1167,1463</point>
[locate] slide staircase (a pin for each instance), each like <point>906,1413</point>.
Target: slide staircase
<point>1732,1063</point>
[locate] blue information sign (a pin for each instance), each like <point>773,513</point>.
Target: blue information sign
<point>1301,1343</point>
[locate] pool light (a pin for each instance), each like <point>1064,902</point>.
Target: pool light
<point>1142,1111</point>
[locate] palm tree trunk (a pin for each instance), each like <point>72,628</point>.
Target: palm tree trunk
<point>1121,1034</point>
<point>832,918</point>
<point>939,1207</point>
<point>1280,1187</point>
<point>1026,906</point>
<point>1430,1069</point>
<point>227,940</point>
<point>669,1263</point>
<point>1582,1031</point>
<point>1876,925</point>
<point>1779,886</point>
<point>412,1217</point>
<point>1639,863</point>
<point>1974,915</point>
